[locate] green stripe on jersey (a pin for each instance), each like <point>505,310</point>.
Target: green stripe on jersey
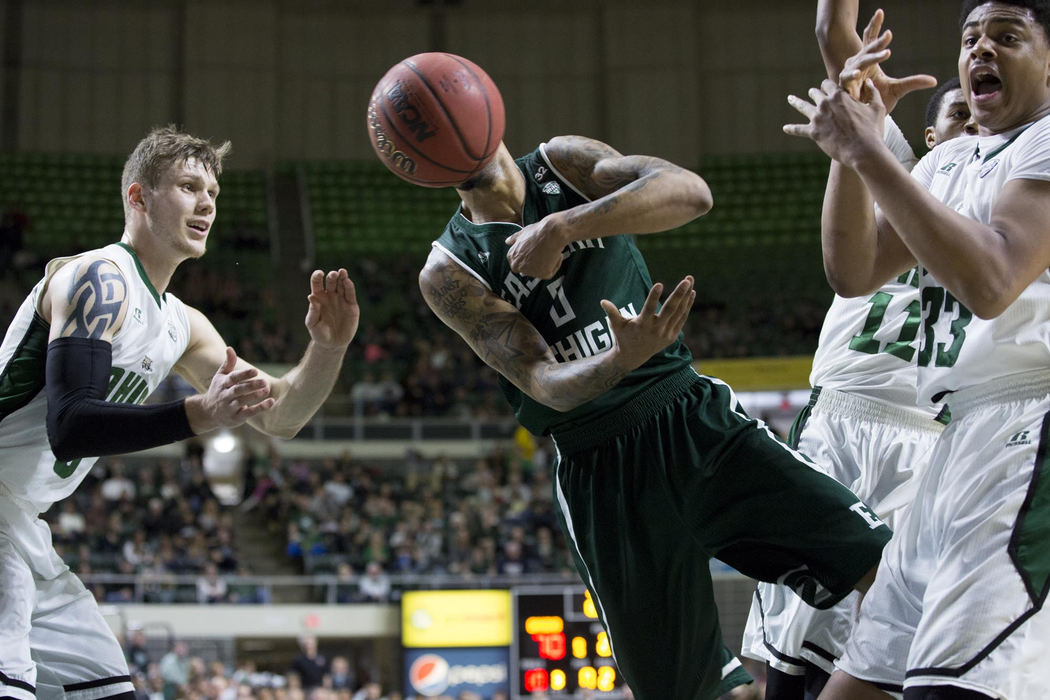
<point>23,377</point>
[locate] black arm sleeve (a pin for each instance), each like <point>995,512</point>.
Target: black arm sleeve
<point>81,423</point>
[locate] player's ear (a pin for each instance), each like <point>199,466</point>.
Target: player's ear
<point>930,136</point>
<point>136,197</point>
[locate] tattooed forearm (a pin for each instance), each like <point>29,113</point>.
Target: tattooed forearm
<point>95,296</point>
<point>507,342</point>
<point>580,382</point>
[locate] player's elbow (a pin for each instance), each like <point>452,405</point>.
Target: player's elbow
<point>989,302</point>
<point>62,439</point>
<point>705,200</point>
<point>848,284</point>
<point>698,195</point>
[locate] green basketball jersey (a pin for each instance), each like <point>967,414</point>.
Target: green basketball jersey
<point>566,309</point>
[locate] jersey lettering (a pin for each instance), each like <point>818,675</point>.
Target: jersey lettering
<point>902,347</point>
<point>936,300</point>
<point>566,314</point>
<point>591,340</point>
<point>869,517</point>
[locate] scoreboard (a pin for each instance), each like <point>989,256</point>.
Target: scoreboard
<point>559,647</point>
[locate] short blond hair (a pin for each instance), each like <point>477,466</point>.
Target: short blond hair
<point>163,148</point>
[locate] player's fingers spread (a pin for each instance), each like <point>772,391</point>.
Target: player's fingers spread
<point>914,82</point>
<point>317,282</point>
<point>827,87</point>
<point>874,25</point>
<point>350,291</point>
<point>677,297</point>
<point>804,108</point>
<point>228,362</point>
<point>652,300</point>
<point>615,319</point>
<point>802,130</point>
<point>332,281</point>
<point>682,313</point>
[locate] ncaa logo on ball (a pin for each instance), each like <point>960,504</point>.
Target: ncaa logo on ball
<point>429,675</point>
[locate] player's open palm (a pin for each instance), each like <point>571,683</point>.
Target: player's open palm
<point>233,396</point>
<point>333,314</point>
<point>655,327</point>
<point>865,65</point>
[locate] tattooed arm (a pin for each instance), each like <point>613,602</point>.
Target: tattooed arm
<point>629,194</point>
<point>86,302</point>
<point>506,341</point>
<point>86,298</point>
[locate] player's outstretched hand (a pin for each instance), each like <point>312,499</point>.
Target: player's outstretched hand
<point>333,314</point>
<point>232,398</point>
<point>536,249</point>
<point>865,65</point>
<point>844,128</point>
<point>652,330</point>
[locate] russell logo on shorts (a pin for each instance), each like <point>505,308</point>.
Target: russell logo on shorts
<point>1018,439</point>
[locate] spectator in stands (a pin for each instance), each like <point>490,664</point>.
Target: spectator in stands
<point>369,691</point>
<point>340,676</point>
<point>117,486</point>
<point>174,669</point>
<point>137,652</point>
<point>309,665</point>
<point>346,586</point>
<point>374,586</point>
<point>211,588</point>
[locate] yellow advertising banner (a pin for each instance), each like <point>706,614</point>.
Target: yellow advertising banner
<point>760,373</point>
<point>435,619</point>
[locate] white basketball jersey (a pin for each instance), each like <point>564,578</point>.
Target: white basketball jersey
<point>868,344</point>
<point>153,337</point>
<point>957,348</point>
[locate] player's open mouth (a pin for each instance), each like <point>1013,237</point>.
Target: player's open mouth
<point>984,85</point>
<point>198,226</point>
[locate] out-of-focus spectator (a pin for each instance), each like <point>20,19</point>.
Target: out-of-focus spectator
<point>117,486</point>
<point>369,691</point>
<point>137,652</point>
<point>310,665</point>
<point>340,675</point>
<point>211,587</point>
<point>174,669</point>
<point>374,586</point>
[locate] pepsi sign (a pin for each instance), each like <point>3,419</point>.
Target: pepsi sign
<point>433,672</point>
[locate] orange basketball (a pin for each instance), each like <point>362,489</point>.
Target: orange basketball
<point>435,119</point>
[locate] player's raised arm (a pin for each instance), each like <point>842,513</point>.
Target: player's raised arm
<point>989,266</point>
<point>837,33</point>
<point>629,194</point>
<point>506,341</point>
<point>287,402</point>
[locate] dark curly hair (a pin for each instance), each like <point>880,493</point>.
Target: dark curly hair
<point>1040,9</point>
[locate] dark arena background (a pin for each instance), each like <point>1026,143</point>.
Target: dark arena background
<point>407,534</point>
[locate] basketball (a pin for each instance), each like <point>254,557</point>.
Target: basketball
<point>435,119</point>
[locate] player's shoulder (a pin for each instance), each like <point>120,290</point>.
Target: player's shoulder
<point>1035,136</point>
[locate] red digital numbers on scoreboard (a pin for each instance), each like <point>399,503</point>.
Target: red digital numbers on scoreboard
<point>536,679</point>
<point>559,646</point>
<point>552,646</point>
